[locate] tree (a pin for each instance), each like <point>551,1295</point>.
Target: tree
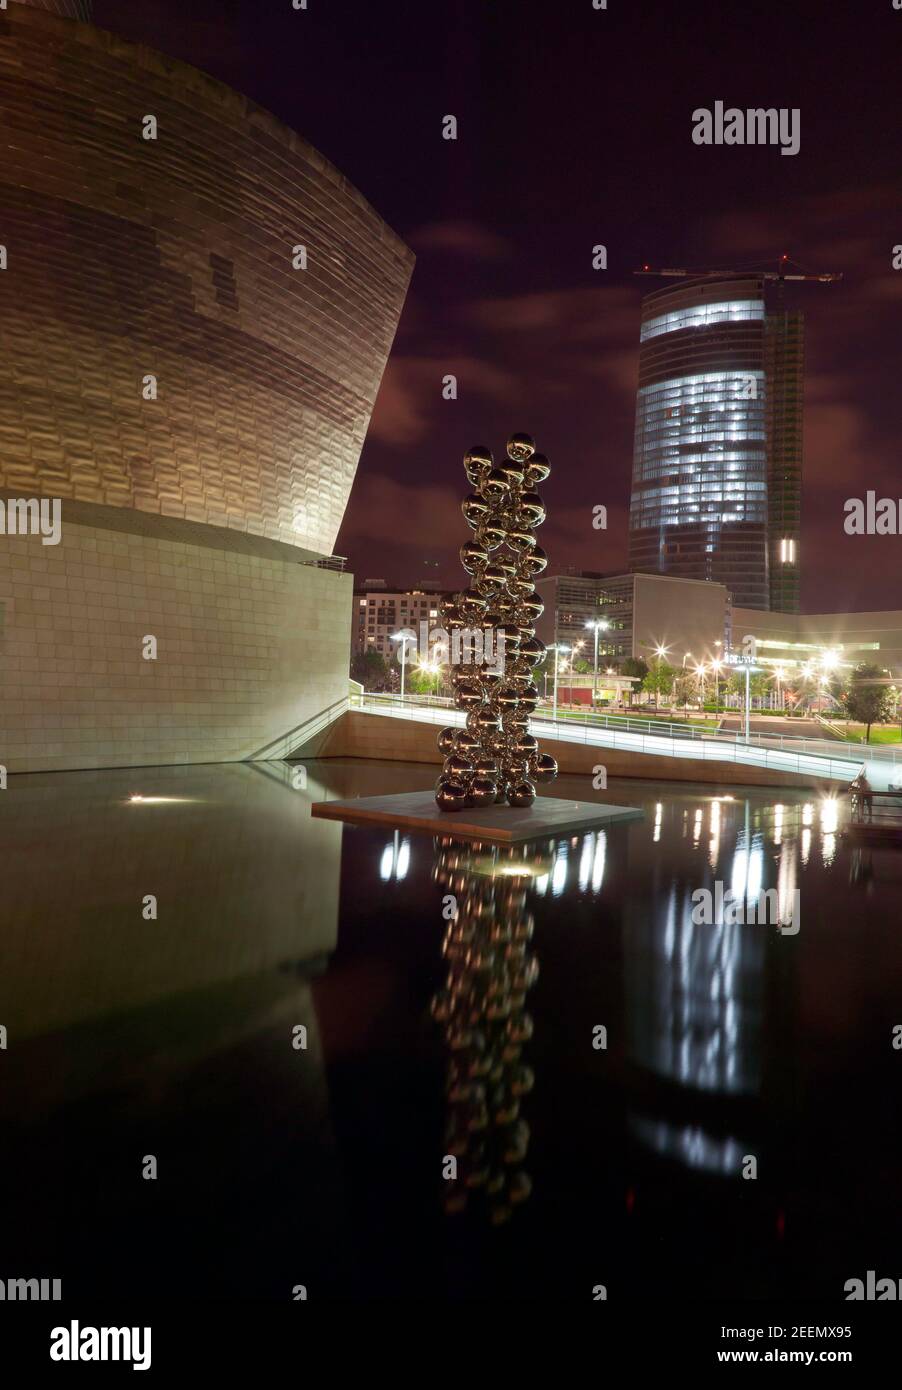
<point>685,689</point>
<point>369,669</point>
<point>419,682</point>
<point>864,700</point>
<point>633,666</point>
<point>758,685</point>
<point>659,680</point>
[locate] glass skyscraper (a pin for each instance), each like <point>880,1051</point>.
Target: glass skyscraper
<point>718,446</point>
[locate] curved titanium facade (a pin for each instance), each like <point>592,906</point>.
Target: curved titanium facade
<point>704,443</point>
<point>70,9</point>
<point>172,258</point>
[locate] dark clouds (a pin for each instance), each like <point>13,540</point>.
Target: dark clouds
<point>574,130</point>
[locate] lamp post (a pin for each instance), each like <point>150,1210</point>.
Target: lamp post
<point>660,652</point>
<point>597,625</point>
<point>688,657</point>
<point>717,667</point>
<point>557,648</point>
<point>403,638</point>
<point>700,673</point>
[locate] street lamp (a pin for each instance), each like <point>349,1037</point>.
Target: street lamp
<point>430,668</point>
<point>747,664</point>
<point>717,667</point>
<point>403,638</point>
<point>597,625</point>
<point>700,670</point>
<point>557,647</point>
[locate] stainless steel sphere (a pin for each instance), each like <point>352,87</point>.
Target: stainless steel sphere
<point>544,768</point>
<point>473,605</point>
<point>537,470</point>
<point>521,793</point>
<point>475,509</point>
<point>532,508</point>
<point>446,740</point>
<point>473,556</point>
<point>521,447</point>
<point>532,650</point>
<point>450,795</point>
<point>530,607</point>
<point>495,487</point>
<point>521,541</point>
<point>490,534</point>
<point>512,470</point>
<point>469,695</point>
<point>483,722</point>
<point>477,462</point>
<point>466,744</point>
<point>458,767</point>
<point>535,561</point>
<point>482,792</point>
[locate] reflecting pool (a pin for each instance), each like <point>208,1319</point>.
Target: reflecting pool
<point>375,1064</point>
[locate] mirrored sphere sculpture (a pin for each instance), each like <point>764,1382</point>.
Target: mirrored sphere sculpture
<point>496,759</point>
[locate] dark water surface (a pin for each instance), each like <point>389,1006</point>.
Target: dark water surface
<point>131,1036</point>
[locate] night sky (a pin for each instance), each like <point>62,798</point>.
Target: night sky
<point>575,129</point>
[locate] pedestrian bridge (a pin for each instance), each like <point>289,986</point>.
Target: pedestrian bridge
<point>827,759</point>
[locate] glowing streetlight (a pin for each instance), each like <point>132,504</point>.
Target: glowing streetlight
<point>597,625</point>
<point>430,668</point>
<point>403,638</point>
<point>557,648</point>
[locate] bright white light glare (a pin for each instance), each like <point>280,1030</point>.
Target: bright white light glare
<point>598,866</point>
<point>139,800</point>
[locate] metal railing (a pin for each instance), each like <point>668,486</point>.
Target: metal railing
<point>856,753</point>
<point>835,764</point>
<point>880,809</point>
<point>328,562</point>
<point>287,743</point>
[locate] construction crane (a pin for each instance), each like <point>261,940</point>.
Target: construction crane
<point>781,274</point>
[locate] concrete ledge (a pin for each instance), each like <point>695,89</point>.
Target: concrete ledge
<point>359,735</point>
<point>503,824</point>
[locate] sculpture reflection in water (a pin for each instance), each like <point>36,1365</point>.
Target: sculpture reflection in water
<point>482,1009</point>
<point>495,758</point>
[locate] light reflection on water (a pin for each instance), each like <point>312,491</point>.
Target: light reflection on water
<point>268,918</point>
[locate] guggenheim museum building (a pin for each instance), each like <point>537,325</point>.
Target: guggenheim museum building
<point>196,309</point>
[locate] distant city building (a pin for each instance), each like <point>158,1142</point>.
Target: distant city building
<point>643,612</point>
<point>793,640</point>
<point>378,612</point>
<point>718,444</point>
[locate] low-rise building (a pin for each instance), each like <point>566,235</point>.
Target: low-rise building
<point>644,614</point>
<point>379,611</point>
